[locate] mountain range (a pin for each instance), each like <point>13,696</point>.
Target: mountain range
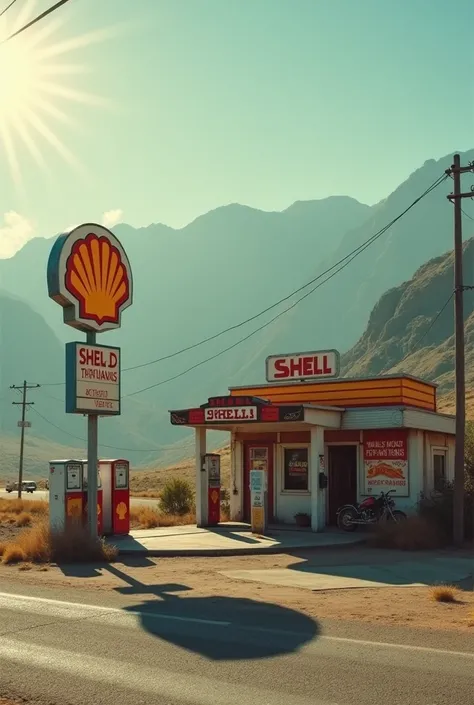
<point>225,267</point>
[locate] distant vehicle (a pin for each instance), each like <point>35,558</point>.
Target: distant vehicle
<point>25,487</point>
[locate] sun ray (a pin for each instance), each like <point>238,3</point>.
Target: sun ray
<point>24,16</point>
<point>83,40</point>
<point>73,94</point>
<point>63,70</point>
<point>31,145</point>
<point>38,88</point>
<point>53,111</point>
<point>36,122</point>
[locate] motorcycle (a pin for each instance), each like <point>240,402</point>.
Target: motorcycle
<point>370,511</point>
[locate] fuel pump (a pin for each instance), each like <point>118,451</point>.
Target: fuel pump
<point>115,496</point>
<point>212,467</point>
<point>66,490</point>
<point>99,499</point>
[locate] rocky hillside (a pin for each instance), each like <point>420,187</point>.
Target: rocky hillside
<point>409,330</point>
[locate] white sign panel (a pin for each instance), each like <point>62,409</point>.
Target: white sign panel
<point>301,366</point>
<point>257,481</point>
<point>93,379</point>
<point>233,413</point>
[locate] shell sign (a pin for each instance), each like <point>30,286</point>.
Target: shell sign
<point>89,275</point>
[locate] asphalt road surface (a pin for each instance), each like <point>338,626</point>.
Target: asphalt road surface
<point>44,494</point>
<point>77,647</point>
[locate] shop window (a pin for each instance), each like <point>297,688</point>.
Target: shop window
<point>295,469</point>
<point>439,470</point>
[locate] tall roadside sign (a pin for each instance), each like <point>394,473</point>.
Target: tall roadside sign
<point>89,275</point>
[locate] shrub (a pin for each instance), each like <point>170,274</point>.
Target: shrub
<point>177,497</point>
<point>24,519</point>
<point>41,545</point>
<point>438,509</point>
<point>414,534</point>
<point>443,593</point>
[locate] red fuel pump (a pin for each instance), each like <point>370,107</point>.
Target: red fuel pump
<point>116,496</point>
<point>212,464</point>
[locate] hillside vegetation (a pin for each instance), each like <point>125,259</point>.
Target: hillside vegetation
<point>411,329</point>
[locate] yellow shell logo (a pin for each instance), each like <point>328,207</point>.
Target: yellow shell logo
<point>98,279</point>
<point>74,507</point>
<point>121,510</point>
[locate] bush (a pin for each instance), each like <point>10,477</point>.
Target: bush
<point>414,534</point>
<point>438,510</point>
<point>177,497</point>
<point>42,545</point>
<point>444,593</point>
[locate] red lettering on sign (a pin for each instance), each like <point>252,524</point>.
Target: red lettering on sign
<point>282,370</point>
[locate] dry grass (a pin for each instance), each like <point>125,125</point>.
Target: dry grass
<point>145,517</point>
<point>36,507</point>
<point>444,593</point>
<point>24,519</point>
<point>154,479</point>
<point>413,534</point>
<point>41,545</point>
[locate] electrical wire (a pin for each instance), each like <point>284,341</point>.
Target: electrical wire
<point>467,214</point>
<point>7,8</point>
<point>36,19</point>
<point>354,253</point>
<point>104,445</point>
<point>418,342</point>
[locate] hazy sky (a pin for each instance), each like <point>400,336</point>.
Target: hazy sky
<point>262,102</point>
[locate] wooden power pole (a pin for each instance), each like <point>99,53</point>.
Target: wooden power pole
<point>23,423</point>
<point>459,458</point>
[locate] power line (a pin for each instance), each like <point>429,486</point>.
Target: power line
<point>7,8</point>
<point>355,253</point>
<point>104,445</point>
<point>418,342</point>
<point>467,214</point>
<point>35,19</point>
<point>358,250</point>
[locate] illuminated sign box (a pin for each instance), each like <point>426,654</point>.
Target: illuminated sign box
<point>291,367</point>
<point>92,379</point>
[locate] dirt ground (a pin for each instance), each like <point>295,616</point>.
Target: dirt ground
<point>201,577</point>
<point>8,533</point>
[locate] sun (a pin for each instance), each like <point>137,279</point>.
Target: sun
<point>38,85</point>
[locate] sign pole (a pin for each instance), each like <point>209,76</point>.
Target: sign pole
<point>92,461</point>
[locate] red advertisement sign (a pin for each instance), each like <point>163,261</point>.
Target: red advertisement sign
<point>386,461</point>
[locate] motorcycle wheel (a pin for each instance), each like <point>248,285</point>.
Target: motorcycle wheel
<point>345,519</point>
<point>398,515</point>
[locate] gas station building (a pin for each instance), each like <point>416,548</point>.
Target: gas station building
<point>323,441</point>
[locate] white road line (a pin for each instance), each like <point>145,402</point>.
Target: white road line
<point>406,647</point>
<point>71,609</point>
<point>119,675</point>
<point>74,610</point>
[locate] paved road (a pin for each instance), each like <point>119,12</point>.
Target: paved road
<point>43,494</point>
<point>81,647</point>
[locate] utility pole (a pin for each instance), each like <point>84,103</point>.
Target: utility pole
<point>23,403</point>
<point>459,458</point>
